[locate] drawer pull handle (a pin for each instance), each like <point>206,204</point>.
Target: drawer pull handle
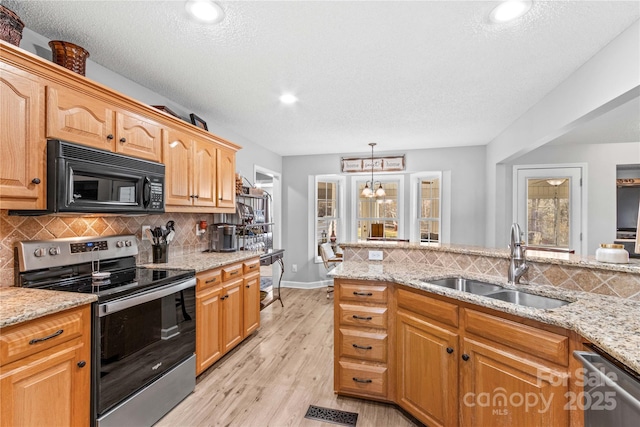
<point>363,294</point>
<point>253,266</point>
<point>360,380</point>
<point>355,316</point>
<point>233,273</point>
<point>449,350</point>
<point>362,347</point>
<point>212,280</point>
<point>53,335</point>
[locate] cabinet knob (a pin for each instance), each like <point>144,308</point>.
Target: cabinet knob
<point>465,357</point>
<point>82,364</point>
<point>36,180</point>
<point>449,350</point>
<point>248,286</point>
<point>109,137</point>
<point>123,140</point>
<point>196,196</point>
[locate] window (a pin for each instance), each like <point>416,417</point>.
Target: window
<point>429,209</point>
<point>328,217</point>
<point>378,217</point>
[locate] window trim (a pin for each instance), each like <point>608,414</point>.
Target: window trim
<point>340,180</point>
<point>445,204</point>
<point>396,178</point>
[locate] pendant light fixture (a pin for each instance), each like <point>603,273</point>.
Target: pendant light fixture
<point>369,191</point>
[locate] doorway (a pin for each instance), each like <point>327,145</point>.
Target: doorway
<point>270,182</point>
<point>548,205</point>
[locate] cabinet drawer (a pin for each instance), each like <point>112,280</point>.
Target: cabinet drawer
<point>363,293</point>
<point>441,311</point>
<point>357,315</point>
<point>536,342</point>
<point>208,279</point>
<point>231,272</point>
<point>363,345</point>
<point>22,340</point>
<point>363,379</point>
<point>251,265</point>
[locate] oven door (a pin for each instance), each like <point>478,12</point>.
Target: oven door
<point>139,338</point>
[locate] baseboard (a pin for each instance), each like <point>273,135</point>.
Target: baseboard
<point>306,285</point>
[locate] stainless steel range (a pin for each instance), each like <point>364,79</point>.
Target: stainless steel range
<point>143,331</point>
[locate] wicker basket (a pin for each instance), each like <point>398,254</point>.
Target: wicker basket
<point>69,55</point>
<point>10,26</point>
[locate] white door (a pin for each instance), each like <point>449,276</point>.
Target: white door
<point>548,206</point>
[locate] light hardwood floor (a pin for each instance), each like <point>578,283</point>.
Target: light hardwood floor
<point>273,377</point>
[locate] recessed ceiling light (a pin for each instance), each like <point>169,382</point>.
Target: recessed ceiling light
<point>288,98</point>
<point>510,10</point>
<point>205,11</point>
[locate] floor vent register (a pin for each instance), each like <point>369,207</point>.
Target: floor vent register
<point>331,416</point>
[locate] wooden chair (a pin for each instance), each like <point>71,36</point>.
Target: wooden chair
<point>330,261</point>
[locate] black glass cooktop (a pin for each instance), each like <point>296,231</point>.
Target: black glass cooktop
<point>124,279</point>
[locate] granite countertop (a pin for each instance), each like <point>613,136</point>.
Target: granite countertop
<point>22,304</point>
<point>611,323</point>
<point>633,266</point>
<point>203,261</point>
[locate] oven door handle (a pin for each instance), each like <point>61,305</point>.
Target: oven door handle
<point>118,305</point>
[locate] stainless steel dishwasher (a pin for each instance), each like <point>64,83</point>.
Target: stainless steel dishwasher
<point>611,392</point>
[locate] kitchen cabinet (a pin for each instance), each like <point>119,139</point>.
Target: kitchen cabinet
<point>190,167</point>
<point>361,341</point>
<point>45,370</point>
<point>427,362</point>
<point>226,178</point>
<point>23,163</point>
<point>226,310</point>
<point>451,364</point>
<point>251,297</point>
<point>77,117</point>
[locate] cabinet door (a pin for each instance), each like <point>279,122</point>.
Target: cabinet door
<point>226,178</point>
<point>251,306</point>
<point>177,160</point>
<point>502,389</point>
<point>75,117</point>
<point>138,136</point>
<point>23,160</point>
<point>427,370</point>
<point>208,321</point>
<point>204,172</point>
<point>48,389</point>
<point>232,314</point>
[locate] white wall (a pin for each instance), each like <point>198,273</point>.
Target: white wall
<point>467,205</point>
<point>601,160</point>
<point>609,79</point>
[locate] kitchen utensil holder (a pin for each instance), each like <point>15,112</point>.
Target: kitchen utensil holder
<point>160,253</point>
<point>69,55</point>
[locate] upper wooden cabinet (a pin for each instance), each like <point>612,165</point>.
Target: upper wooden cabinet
<point>190,171</point>
<point>76,117</point>
<point>23,160</point>
<point>226,182</point>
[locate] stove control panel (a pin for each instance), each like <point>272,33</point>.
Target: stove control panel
<point>37,254</point>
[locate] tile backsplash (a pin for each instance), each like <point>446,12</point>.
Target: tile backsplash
<point>19,228</point>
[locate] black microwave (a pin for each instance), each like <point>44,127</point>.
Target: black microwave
<point>87,180</point>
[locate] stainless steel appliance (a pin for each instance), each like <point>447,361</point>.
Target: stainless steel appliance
<point>82,179</point>
<point>222,238</point>
<point>143,331</point>
<point>611,391</point>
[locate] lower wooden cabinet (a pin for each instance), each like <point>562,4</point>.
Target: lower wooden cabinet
<point>427,370</point>
<point>448,364</point>
<point>47,382</point>
<point>226,310</point>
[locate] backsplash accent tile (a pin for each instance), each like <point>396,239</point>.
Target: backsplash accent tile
<point>18,228</point>
<point>599,281</point>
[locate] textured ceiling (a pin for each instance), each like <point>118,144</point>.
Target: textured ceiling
<point>406,75</point>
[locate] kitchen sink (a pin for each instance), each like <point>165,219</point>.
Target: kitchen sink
<point>466,285</point>
<point>527,300</point>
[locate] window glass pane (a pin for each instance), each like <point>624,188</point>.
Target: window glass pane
<point>548,212</point>
<point>327,214</point>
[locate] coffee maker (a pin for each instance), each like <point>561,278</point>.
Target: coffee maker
<point>222,238</point>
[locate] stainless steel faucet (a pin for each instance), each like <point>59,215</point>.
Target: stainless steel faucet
<point>518,265</point>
